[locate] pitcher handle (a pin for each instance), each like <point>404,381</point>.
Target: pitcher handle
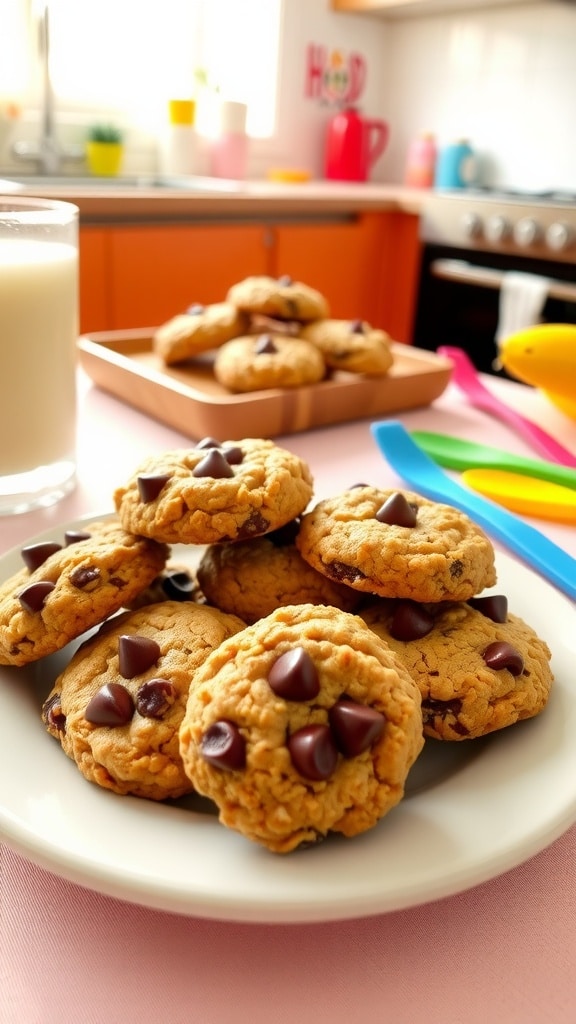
<point>377,134</point>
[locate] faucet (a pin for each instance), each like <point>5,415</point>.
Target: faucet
<point>47,152</point>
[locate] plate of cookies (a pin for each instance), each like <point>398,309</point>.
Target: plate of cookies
<point>225,698</point>
<point>267,360</point>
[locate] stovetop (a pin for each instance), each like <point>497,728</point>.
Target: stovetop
<point>539,225</point>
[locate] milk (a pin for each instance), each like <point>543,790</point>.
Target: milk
<point>38,332</point>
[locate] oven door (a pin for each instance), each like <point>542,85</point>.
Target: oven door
<point>459,299</point>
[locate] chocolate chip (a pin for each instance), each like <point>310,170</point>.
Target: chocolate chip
<point>494,606</point>
<point>285,281</point>
<point>354,486</point>
<point>456,569</point>
<point>195,309</point>
<point>396,511</point>
<point>357,327</point>
<point>224,746</point>
<point>32,598</point>
<point>208,442</point>
<point>76,536</point>
<point>83,576</point>
<point>52,713</point>
<point>254,526</point>
<point>155,697</point>
<point>111,705</point>
<point>150,485</point>
<point>313,752</point>
<point>136,654</point>
<point>178,586</point>
<point>343,573</point>
<point>293,676</point>
<point>410,621</point>
<point>503,655</point>
<point>213,464</point>
<point>355,727</point>
<point>233,455</point>
<point>265,346</point>
<point>34,555</point>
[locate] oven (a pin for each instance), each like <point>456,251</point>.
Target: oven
<point>470,241</point>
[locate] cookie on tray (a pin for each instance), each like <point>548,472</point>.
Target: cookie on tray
<point>351,345</point>
<point>198,330</point>
<point>302,724</point>
<point>268,361</point>
<point>397,544</point>
<point>252,578</point>
<point>278,297</point>
<point>116,708</point>
<point>217,491</point>
<point>69,585</point>
<point>478,667</point>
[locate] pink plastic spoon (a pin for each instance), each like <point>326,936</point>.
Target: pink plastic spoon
<point>465,376</point>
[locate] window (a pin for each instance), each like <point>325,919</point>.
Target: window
<point>127,59</point>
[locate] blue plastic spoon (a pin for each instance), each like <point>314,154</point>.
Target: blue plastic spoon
<point>425,477</point>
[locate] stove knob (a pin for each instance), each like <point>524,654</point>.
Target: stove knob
<point>559,236</point>
<point>527,232</point>
<point>497,228</point>
<point>471,225</point>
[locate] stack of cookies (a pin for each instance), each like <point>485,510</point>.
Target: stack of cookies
<point>293,675</point>
<point>272,333</point>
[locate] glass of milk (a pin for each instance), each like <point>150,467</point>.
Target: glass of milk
<point>38,334</point>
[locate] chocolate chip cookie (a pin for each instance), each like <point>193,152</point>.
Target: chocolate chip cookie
<point>302,724</point>
<point>217,491</point>
<point>397,544</point>
<point>478,667</point>
<point>71,584</point>
<point>351,345</point>
<point>268,361</point>
<point>279,297</point>
<point>198,330</point>
<point>116,708</point>
<point>252,578</point>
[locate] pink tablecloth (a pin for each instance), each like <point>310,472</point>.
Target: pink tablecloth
<point>503,951</point>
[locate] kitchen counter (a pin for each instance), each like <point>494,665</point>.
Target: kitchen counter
<point>110,201</point>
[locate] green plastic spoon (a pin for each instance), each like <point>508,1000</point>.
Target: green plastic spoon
<point>454,453</point>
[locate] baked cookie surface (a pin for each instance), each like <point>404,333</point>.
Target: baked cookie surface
<point>280,297</point>
<point>253,578</point>
<point>116,708</point>
<point>478,667</point>
<point>268,361</point>
<point>351,345</point>
<point>70,585</point>
<point>198,330</point>
<point>218,491</point>
<point>302,724</point>
<point>397,544</point>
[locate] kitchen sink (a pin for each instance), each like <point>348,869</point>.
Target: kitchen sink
<point>187,183</point>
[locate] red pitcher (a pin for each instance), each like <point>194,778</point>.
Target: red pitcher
<point>353,144</point>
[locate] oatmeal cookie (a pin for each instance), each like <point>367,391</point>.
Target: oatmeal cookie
<point>67,586</point>
<point>116,708</point>
<point>351,345</point>
<point>252,578</point>
<point>198,330</point>
<point>302,724</point>
<point>278,297</point>
<point>217,491</point>
<point>397,544</point>
<point>268,361</point>
<point>478,667</point>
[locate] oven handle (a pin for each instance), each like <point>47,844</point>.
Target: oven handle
<point>484,277</point>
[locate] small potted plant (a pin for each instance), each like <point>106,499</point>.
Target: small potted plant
<point>104,149</point>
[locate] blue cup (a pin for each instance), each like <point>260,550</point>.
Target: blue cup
<point>456,166</point>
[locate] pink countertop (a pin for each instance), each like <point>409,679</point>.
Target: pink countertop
<point>501,951</point>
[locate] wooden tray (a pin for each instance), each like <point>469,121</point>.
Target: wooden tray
<point>189,399</point>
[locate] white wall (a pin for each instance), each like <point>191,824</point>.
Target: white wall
<point>504,77</point>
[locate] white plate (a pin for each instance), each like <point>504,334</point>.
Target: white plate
<point>474,809</point>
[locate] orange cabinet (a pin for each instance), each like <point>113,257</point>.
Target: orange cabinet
<point>94,279</point>
<point>160,270</point>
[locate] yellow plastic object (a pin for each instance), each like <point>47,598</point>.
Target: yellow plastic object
<point>544,356</point>
<point>181,111</point>
<point>104,158</point>
<point>524,494</point>
<point>288,174</point>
